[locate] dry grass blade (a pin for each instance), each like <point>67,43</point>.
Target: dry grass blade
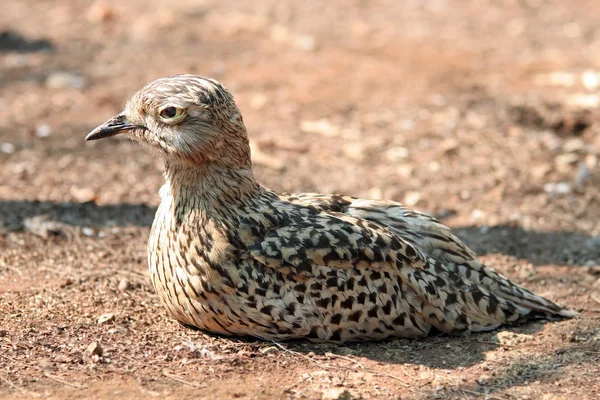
<point>64,382</point>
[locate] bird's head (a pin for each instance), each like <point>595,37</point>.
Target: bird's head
<point>190,119</point>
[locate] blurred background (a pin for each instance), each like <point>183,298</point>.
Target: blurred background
<point>482,113</point>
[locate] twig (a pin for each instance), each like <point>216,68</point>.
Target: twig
<point>64,382</point>
<point>183,381</point>
<point>19,389</point>
<point>596,299</point>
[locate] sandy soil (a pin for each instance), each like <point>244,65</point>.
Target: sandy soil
<point>483,113</point>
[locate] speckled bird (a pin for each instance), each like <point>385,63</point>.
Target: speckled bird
<point>229,256</point>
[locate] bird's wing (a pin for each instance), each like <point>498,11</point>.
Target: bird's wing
<point>421,230</point>
<point>450,302</point>
<point>434,240</point>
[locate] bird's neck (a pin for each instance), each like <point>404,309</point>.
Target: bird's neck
<point>210,188</point>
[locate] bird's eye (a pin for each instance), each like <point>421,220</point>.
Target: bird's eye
<point>171,112</point>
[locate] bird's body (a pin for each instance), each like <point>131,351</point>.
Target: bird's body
<point>229,256</point>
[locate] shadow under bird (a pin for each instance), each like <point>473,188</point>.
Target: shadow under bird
<point>232,257</point>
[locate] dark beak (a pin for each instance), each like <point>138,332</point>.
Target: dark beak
<point>112,127</point>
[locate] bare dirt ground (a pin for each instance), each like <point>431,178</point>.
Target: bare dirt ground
<point>483,113</point>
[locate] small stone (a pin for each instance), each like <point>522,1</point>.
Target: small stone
<point>573,145</point>
<point>321,127</point>
<point>7,148</point>
<point>558,78</point>
<point>484,379</point>
<point>396,153</point>
<point>83,195</point>
<point>477,215</point>
<point>375,193</point>
<point>590,80</point>
<point>65,80</point>
<point>336,394</point>
<point>591,161</point>
<point>557,188</point>
<point>566,159</point>
<point>87,231</point>
<point>354,151</point>
<point>405,170</point>
<point>305,42</point>
<point>94,349</point>
<point>411,198</point>
<point>258,101</point>
<point>100,12</point>
<point>125,285</point>
<point>586,101</point>
<point>106,318</point>
<point>540,171</point>
<point>269,350</point>
<point>43,131</point>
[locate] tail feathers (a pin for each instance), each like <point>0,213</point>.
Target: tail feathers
<point>479,305</point>
<point>483,310</point>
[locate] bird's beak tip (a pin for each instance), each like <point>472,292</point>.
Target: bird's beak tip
<point>112,127</point>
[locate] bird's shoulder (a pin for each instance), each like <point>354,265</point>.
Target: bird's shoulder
<point>302,235</point>
<point>419,229</point>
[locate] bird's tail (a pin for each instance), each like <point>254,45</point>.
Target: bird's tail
<point>486,300</point>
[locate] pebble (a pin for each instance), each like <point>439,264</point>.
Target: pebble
<point>476,215</point>
<point>65,80</point>
<point>573,145</point>
<point>43,130</point>
<point>322,127</point>
<point>106,318</point>
<point>566,159</point>
<point>125,285</point>
<point>100,12</point>
<point>396,153</point>
<point>269,350</point>
<point>484,379</point>
<point>7,148</point>
<point>336,394</point>
<point>411,198</point>
<point>590,80</point>
<point>354,151</point>
<point>264,159</point>
<point>87,231</point>
<point>557,188</point>
<point>583,100</point>
<point>94,349</point>
<point>258,101</point>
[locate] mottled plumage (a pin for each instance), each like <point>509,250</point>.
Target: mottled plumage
<point>229,256</point>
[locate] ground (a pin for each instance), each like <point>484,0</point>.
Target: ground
<point>482,113</point>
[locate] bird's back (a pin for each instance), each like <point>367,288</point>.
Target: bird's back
<point>325,268</point>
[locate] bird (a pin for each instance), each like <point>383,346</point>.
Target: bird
<point>231,257</point>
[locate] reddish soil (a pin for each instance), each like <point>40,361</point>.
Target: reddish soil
<point>483,113</point>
